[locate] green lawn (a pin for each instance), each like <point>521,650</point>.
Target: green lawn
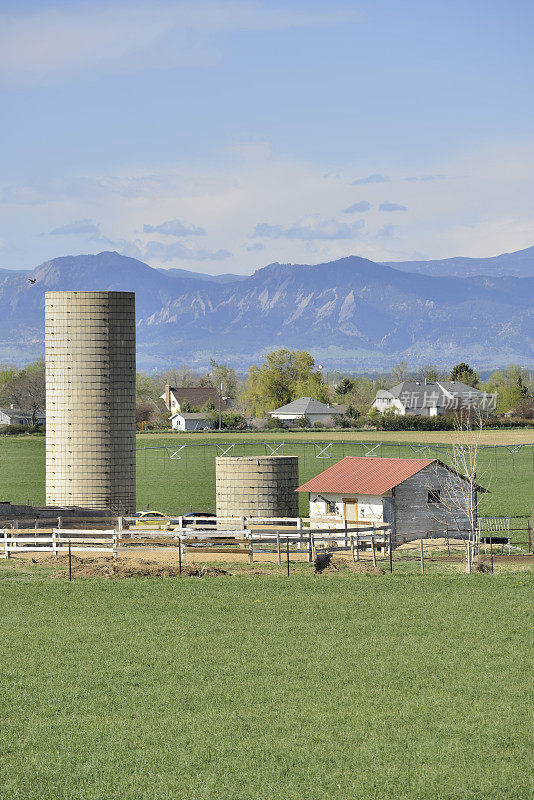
<point>249,688</point>
<point>177,485</point>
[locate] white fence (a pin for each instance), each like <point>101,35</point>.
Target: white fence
<point>60,541</point>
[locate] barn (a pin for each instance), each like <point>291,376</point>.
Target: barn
<point>419,497</point>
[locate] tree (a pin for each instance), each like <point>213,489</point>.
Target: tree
<point>27,390</point>
<point>428,372</point>
<point>465,374</point>
<point>221,374</point>
<point>286,375</point>
<point>345,386</point>
<point>399,372</point>
<point>458,499</point>
<point>510,385</point>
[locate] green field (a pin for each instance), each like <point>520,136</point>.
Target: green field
<point>177,485</point>
<point>246,688</point>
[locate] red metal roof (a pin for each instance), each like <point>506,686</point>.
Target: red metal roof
<point>365,475</point>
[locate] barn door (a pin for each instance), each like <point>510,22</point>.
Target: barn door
<point>350,510</point>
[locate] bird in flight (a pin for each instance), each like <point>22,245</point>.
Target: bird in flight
<point>32,280</point>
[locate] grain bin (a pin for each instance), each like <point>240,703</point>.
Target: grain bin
<point>257,486</point>
<point>90,400</point>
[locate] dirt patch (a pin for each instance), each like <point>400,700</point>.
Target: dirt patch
<point>439,543</point>
<point>141,568</point>
<point>481,564</point>
<point>327,563</point>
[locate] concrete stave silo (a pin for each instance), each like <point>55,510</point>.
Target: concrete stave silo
<point>90,400</point>
<point>256,486</point>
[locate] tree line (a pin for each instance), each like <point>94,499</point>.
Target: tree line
<point>284,375</point>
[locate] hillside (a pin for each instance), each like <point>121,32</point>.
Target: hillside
<point>519,264</point>
<point>351,313</point>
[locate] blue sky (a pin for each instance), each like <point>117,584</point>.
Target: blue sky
<point>221,136</point>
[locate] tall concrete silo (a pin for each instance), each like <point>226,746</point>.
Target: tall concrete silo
<point>90,400</point>
<point>256,486</point>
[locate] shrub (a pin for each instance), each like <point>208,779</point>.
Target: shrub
<point>302,422</point>
<point>273,423</point>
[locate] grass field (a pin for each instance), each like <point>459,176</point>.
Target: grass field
<point>246,688</point>
<point>177,485</point>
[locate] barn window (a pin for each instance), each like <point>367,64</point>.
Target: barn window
<point>434,496</point>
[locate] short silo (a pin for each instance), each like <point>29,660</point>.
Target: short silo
<point>90,400</point>
<point>257,486</point>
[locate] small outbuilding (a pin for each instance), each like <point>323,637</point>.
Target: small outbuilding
<point>190,421</point>
<point>418,497</point>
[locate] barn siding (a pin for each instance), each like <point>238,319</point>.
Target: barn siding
<point>415,517</point>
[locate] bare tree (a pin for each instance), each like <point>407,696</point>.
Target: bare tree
<point>458,499</point>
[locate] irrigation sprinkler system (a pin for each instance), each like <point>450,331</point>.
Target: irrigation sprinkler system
<point>328,450</point>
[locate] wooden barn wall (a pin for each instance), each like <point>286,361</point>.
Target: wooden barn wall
<point>415,517</point>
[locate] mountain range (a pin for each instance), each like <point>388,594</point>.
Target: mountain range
<point>352,314</point>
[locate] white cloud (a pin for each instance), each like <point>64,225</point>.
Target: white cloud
<point>484,207</point>
<point>119,36</point>
<point>374,178</point>
<point>358,208</point>
<point>387,206</point>
<point>309,228</point>
<point>158,251</point>
<point>174,227</point>
<point>82,226</point>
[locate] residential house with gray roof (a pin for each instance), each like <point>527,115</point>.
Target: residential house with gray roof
<point>429,398</point>
<point>314,410</point>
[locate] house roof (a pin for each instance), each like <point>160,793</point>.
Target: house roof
<point>365,475</point>
<point>196,395</point>
<point>370,475</point>
<point>430,393</point>
<point>306,405</point>
<point>190,415</point>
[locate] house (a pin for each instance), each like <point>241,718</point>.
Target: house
<point>190,421</point>
<point>429,398</point>
<point>306,407</point>
<point>417,496</point>
<point>14,416</point>
<point>196,396</point>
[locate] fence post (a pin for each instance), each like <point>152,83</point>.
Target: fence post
<point>70,563</point>
<point>287,550</point>
<point>278,548</point>
<point>352,546</point>
<point>491,551</point>
<point>467,561</point>
<point>529,536</point>
<point>422,557</point>
<point>6,546</point>
<point>373,549</point>
<point>390,550</point>
<point>60,522</point>
<point>345,542</point>
<point>54,544</point>
<point>312,546</point>
<point>250,550</point>
<point>120,523</point>
<point>357,546</point>
<point>114,547</point>
<point>179,555</point>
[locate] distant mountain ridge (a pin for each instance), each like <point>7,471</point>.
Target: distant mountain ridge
<point>519,264</point>
<point>351,313</point>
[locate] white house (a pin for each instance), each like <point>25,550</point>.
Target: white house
<point>429,398</point>
<point>416,496</point>
<point>14,416</point>
<point>190,421</point>
<point>314,410</point>
<point>196,397</point>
